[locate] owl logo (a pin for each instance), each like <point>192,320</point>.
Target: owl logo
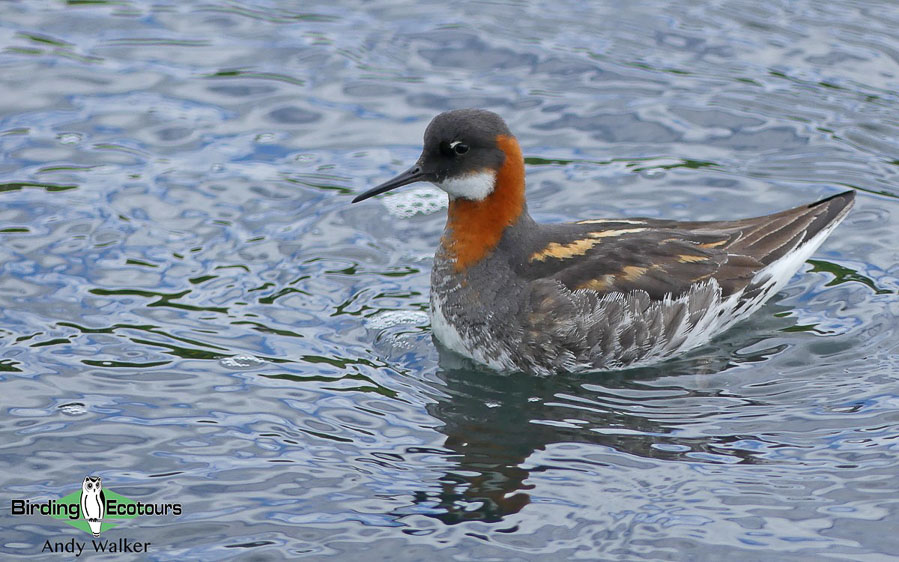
<point>93,503</point>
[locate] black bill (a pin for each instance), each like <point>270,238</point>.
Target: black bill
<point>412,175</point>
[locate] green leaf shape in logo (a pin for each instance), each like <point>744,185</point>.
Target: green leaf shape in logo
<point>109,520</point>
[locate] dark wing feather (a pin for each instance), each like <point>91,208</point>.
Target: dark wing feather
<point>668,257</point>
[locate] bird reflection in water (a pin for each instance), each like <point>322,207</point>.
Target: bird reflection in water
<point>494,422</point>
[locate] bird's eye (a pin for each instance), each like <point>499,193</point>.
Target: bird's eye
<point>88,485</point>
<point>459,147</point>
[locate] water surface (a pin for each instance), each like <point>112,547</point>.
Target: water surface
<point>190,308</point>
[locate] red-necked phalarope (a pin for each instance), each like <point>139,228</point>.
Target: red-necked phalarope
<point>600,294</point>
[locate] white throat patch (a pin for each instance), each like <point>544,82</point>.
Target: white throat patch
<point>476,186</point>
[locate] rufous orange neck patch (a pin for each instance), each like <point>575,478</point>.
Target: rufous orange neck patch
<point>474,228</point>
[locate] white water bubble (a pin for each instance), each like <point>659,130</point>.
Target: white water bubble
<point>241,362</point>
<point>72,409</point>
<point>422,200</point>
<point>69,138</point>
<point>391,318</point>
<point>653,173</point>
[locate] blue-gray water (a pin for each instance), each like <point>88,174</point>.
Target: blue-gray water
<point>191,309</point>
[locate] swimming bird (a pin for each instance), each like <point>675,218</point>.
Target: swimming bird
<point>602,294</point>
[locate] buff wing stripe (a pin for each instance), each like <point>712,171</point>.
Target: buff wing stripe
<point>579,247</point>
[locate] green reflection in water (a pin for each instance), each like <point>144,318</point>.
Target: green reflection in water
<point>9,366</point>
<point>867,190</point>
<point>157,41</point>
<point>65,168</point>
<point>399,271</point>
<point>202,279</point>
<point>123,364</point>
<point>842,274</point>
<point>121,148</point>
<point>270,299</point>
<point>44,39</point>
<point>173,349</point>
<point>110,329</point>
<point>267,329</point>
<point>165,299</point>
<point>269,15</point>
<point>321,181</point>
<point>96,3</point>
<point>805,328</point>
<point>236,266</point>
<point>345,308</point>
<point>372,386</point>
<point>55,341</point>
<point>132,261</point>
<point>51,187</point>
<point>325,435</point>
<point>637,164</point>
<point>243,73</point>
<point>50,45</point>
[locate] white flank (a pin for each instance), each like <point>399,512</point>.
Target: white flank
<point>772,278</point>
<point>476,186</point>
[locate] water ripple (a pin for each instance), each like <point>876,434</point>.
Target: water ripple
<point>190,308</point>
